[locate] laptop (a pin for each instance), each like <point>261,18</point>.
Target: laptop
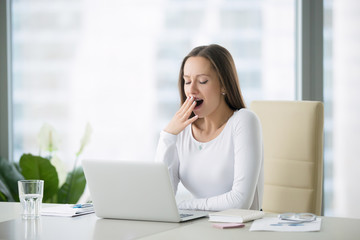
<point>133,191</point>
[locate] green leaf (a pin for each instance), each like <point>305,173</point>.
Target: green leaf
<point>35,167</point>
<point>9,175</point>
<point>3,198</point>
<point>5,194</point>
<point>73,188</point>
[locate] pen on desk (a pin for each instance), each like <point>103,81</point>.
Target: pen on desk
<point>85,205</point>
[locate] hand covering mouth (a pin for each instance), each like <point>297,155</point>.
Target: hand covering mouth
<point>198,102</point>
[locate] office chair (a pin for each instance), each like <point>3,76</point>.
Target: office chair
<point>293,155</point>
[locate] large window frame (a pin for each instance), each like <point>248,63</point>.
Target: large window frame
<point>5,82</point>
<point>309,50</point>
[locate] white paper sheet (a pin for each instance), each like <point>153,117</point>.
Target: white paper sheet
<point>65,211</point>
<point>276,225</point>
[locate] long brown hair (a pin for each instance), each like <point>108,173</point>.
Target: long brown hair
<point>223,63</point>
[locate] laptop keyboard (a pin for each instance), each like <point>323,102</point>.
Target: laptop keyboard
<point>184,215</point>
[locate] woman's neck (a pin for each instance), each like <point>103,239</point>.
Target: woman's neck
<point>209,127</point>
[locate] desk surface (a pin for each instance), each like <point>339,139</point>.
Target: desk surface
<point>92,227</point>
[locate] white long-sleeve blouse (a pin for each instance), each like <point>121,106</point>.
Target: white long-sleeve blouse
<point>226,172</point>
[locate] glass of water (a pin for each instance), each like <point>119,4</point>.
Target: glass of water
<point>31,194</point>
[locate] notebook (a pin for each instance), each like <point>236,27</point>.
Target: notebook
<point>236,215</point>
<point>133,191</point>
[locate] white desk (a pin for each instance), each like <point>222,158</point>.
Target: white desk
<point>91,227</point>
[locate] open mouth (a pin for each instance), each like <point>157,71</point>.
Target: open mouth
<point>199,102</point>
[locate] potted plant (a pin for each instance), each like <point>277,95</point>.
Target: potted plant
<point>48,168</point>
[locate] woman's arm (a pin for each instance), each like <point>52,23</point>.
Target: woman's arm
<point>167,153</point>
<point>247,166</point>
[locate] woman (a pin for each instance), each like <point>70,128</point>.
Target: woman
<point>213,144</point>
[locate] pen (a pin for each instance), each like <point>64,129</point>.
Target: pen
<point>85,205</point>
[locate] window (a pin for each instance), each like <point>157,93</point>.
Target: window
<point>115,64</point>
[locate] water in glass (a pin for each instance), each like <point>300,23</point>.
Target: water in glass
<point>31,204</point>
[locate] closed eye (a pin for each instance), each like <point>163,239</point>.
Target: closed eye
<point>204,82</point>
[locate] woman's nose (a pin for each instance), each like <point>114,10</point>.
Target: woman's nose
<point>193,87</point>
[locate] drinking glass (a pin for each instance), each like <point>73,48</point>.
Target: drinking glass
<point>31,194</point>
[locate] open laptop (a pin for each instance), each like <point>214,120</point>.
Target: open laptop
<point>133,191</point>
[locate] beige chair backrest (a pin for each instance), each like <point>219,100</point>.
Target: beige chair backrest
<point>293,155</point>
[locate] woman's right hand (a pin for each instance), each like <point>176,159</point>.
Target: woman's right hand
<point>181,118</point>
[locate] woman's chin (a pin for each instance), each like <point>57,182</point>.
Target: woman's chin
<point>198,113</point>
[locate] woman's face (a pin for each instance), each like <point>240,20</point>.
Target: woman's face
<point>202,83</point>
